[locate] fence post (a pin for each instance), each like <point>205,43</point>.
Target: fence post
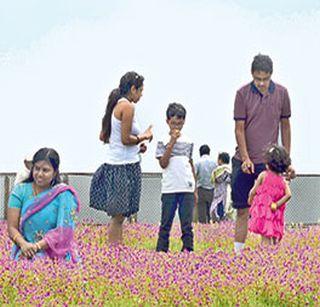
<point>6,194</point>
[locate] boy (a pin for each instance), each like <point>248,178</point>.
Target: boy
<point>221,177</point>
<point>174,153</point>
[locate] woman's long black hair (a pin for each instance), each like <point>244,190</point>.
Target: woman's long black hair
<point>51,156</point>
<point>130,79</point>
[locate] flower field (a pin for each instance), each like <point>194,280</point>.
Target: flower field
<point>133,274</point>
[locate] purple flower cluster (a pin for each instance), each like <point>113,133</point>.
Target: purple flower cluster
<point>134,274</point>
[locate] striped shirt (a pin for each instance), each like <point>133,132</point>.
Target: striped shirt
<point>177,176</point>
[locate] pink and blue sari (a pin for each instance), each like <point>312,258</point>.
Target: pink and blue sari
<point>51,216</point>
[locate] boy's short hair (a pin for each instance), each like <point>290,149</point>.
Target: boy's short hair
<point>224,157</point>
<point>176,109</point>
<point>204,150</point>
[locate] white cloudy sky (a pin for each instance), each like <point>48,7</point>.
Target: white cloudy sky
<point>60,59</point>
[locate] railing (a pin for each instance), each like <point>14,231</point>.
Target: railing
<point>304,206</point>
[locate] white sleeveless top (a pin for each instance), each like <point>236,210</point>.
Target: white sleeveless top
<point>117,153</point>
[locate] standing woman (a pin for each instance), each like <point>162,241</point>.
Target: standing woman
<point>116,185</point>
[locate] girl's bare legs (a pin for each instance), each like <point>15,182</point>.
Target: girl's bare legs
<point>115,231</point>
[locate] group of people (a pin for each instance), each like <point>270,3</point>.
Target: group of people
<point>212,180</point>
<point>42,210</point>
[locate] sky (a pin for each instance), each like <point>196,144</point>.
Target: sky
<point>60,59</point>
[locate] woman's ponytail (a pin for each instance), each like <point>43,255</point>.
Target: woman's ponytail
<point>106,121</point>
<point>128,80</point>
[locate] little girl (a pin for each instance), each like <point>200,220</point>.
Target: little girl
<point>269,196</point>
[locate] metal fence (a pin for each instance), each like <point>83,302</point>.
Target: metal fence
<point>304,206</point>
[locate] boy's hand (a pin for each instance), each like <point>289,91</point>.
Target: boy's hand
<point>175,134</point>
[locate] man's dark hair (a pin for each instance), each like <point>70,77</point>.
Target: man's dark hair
<point>204,150</point>
<point>224,157</point>
<point>176,109</point>
<point>262,62</point>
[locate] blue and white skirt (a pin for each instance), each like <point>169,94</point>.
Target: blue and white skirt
<point>116,189</point>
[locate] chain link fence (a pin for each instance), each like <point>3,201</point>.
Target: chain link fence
<point>303,208</point>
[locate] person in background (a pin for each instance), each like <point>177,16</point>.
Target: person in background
<point>203,170</point>
<point>221,178</point>
<point>24,173</point>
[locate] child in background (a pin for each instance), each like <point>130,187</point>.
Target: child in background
<point>24,173</point>
<point>221,177</point>
<point>174,153</point>
<point>269,196</point>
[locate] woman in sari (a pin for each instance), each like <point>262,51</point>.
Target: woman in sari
<point>41,212</point>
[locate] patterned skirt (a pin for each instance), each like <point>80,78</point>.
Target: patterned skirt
<point>116,189</point>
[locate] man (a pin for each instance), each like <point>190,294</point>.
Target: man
<point>260,109</point>
<point>203,170</point>
<point>25,172</point>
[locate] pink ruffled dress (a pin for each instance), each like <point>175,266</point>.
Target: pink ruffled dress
<point>263,220</point>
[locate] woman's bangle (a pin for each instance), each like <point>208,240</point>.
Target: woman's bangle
<point>38,246</point>
<point>15,237</point>
<point>138,140</point>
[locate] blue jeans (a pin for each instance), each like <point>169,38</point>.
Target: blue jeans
<point>170,203</point>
